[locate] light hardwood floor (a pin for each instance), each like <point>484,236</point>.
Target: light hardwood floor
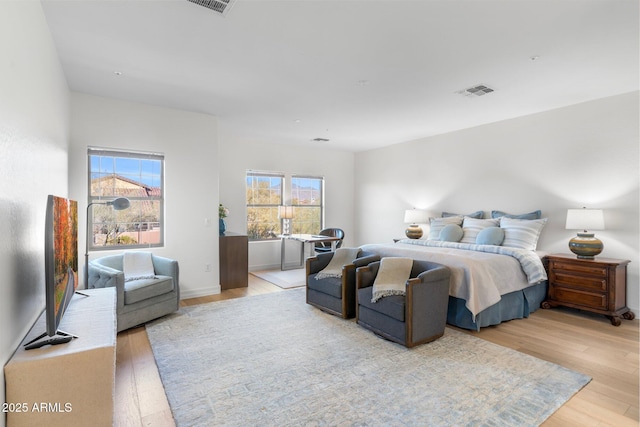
<point>583,342</point>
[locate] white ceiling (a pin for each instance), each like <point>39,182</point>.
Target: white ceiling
<point>362,74</point>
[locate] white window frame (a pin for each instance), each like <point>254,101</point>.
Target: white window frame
<point>274,226</point>
<point>299,228</point>
<point>151,192</point>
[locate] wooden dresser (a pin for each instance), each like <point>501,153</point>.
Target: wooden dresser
<point>597,285</point>
<point>234,260</point>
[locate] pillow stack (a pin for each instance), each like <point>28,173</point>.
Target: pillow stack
<point>502,229</point>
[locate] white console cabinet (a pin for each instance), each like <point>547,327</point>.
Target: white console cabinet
<point>71,384</point>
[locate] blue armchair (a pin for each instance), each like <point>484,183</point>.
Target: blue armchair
<point>418,317</point>
<point>141,300</point>
<point>335,295</point>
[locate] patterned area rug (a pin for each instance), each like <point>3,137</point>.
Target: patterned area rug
<point>285,279</point>
<point>273,360</point>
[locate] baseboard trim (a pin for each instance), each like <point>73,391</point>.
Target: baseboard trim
<point>263,267</point>
<point>200,292</point>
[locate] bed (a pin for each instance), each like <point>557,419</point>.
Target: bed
<point>490,283</point>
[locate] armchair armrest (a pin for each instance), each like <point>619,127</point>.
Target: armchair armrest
<point>349,271</point>
<point>318,262</point>
<point>168,267</point>
<point>165,266</point>
<point>365,276</point>
<point>434,275</point>
<point>365,260</point>
<point>101,276</point>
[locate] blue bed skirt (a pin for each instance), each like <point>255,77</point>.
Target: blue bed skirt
<point>514,305</point>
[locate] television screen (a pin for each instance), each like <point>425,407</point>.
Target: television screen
<point>61,258</point>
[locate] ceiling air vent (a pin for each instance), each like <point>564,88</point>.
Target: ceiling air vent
<point>220,6</point>
<point>478,90</point>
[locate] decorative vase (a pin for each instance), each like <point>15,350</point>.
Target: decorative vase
<point>223,225</point>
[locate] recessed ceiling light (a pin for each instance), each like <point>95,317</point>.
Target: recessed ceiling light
<point>534,58</point>
<point>297,121</point>
<point>117,73</point>
<point>364,82</point>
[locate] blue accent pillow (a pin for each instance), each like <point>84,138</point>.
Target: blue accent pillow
<point>490,236</point>
<point>451,233</point>
<point>476,214</point>
<point>531,215</point>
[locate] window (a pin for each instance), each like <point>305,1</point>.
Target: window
<point>136,176</point>
<point>306,198</point>
<point>266,191</point>
<point>264,195</point>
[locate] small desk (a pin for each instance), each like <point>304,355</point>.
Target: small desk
<point>303,239</point>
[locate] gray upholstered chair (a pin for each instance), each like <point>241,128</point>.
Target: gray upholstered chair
<point>141,300</point>
<point>332,294</point>
<point>418,317</point>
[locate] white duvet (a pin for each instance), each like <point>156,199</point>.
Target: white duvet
<point>480,274</point>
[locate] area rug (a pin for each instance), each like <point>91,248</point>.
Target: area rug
<point>285,279</point>
<point>272,360</point>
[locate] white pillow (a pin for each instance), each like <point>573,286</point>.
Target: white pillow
<point>437,224</point>
<point>522,233</point>
<point>472,226</point>
<point>137,265</point>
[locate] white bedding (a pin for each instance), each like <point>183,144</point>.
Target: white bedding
<point>479,276</point>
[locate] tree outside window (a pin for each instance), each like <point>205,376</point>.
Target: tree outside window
<point>264,195</point>
<point>136,176</point>
<point>307,200</point>
<point>265,192</point>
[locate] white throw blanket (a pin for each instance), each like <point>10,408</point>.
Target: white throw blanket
<point>138,265</point>
<point>392,277</point>
<point>341,257</point>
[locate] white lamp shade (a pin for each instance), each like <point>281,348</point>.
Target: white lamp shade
<point>285,212</point>
<point>416,216</point>
<point>585,219</point>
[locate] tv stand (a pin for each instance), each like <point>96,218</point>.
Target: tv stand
<point>71,384</point>
<point>64,338</point>
<point>48,341</point>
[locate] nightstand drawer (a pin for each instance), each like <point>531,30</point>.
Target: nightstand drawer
<point>588,269</point>
<point>586,299</point>
<point>583,282</point>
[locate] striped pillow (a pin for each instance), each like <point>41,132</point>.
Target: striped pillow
<point>522,233</point>
<point>437,224</point>
<point>472,227</point>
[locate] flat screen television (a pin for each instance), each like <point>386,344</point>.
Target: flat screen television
<point>60,264</point>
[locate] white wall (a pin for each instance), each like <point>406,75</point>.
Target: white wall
<point>583,155</point>
<point>236,157</point>
<point>189,144</point>
<point>34,117</point>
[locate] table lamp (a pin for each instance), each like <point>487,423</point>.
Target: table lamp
<point>585,245</point>
<point>415,217</point>
<point>285,213</point>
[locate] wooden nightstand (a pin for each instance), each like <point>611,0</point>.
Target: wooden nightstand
<point>597,285</point>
